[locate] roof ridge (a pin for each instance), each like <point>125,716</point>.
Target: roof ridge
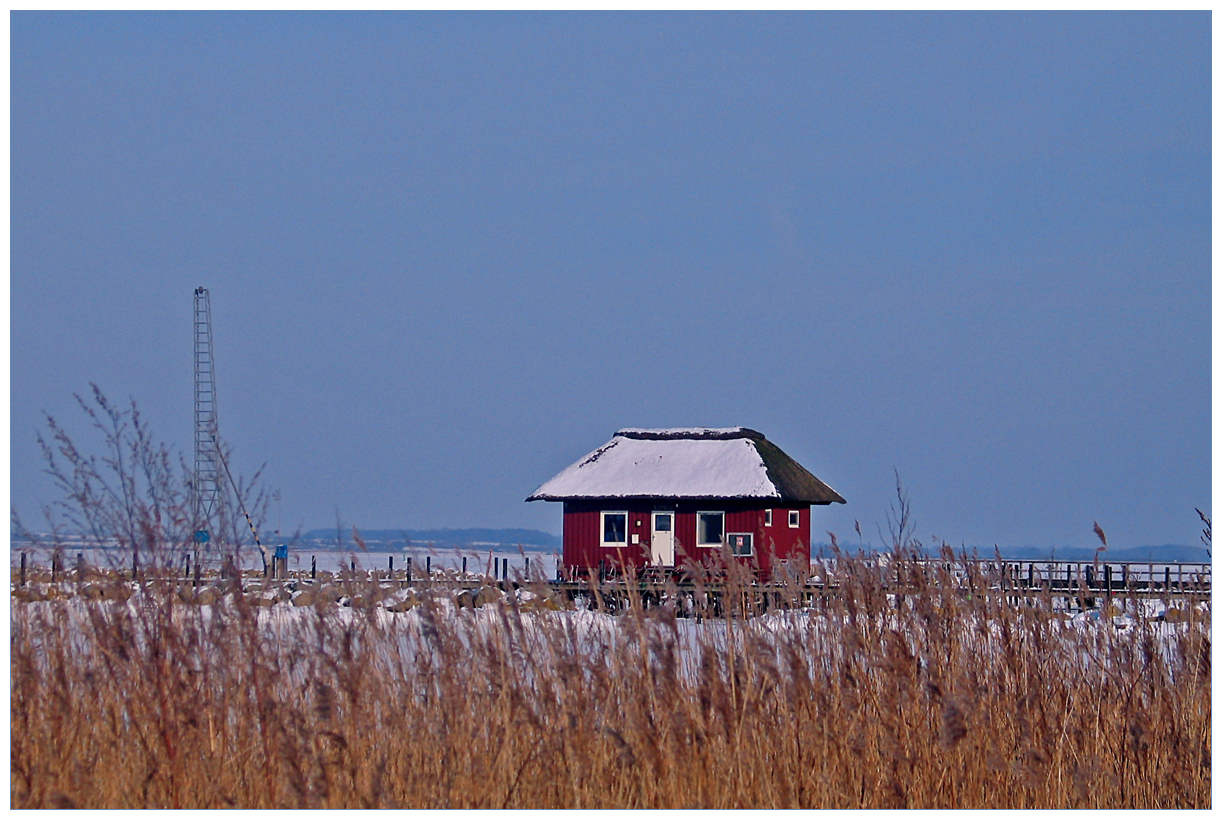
<point>688,433</point>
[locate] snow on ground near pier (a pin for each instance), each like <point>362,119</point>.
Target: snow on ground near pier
<point>543,634</point>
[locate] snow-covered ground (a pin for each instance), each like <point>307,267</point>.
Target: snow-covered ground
<point>410,620</point>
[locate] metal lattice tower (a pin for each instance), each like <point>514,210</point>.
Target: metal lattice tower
<point>207,485</point>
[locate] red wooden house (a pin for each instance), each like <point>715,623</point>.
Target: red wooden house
<point>660,497</point>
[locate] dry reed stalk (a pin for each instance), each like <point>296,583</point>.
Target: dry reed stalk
<point>934,700</point>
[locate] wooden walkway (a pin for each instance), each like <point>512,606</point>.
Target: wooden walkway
<point>1087,584</point>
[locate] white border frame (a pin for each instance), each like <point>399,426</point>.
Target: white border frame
<point>711,544</point>
<point>602,528</point>
<point>795,525</point>
<point>750,538</point>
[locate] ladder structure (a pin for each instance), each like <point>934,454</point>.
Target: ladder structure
<point>207,478</point>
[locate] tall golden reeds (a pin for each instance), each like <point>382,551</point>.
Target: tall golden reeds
<point>949,696</point>
<point>141,690</point>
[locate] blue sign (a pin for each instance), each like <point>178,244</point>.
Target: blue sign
<point>201,536</point>
<point>282,552</point>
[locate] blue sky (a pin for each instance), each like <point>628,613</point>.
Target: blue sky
<point>449,254</point>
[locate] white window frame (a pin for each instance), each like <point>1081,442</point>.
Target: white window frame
<point>750,540</point>
<point>708,544</point>
<point>767,518</point>
<point>795,519</point>
<point>602,528</point>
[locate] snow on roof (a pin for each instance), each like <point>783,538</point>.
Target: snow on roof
<point>693,462</point>
<point>688,432</point>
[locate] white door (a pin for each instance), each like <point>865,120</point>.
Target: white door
<point>662,542</point>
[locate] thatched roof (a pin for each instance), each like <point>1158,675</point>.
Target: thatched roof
<point>688,463</point>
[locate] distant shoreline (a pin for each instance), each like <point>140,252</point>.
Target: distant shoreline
<point>537,541</point>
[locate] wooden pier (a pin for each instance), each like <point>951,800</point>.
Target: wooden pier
<point>1072,585</point>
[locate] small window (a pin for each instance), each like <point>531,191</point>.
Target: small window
<point>709,529</point>
<point>615,529</point>
<point>661,522</point>
<point>795,519</point>
<point>767,518</point>
<point>740,543</point>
